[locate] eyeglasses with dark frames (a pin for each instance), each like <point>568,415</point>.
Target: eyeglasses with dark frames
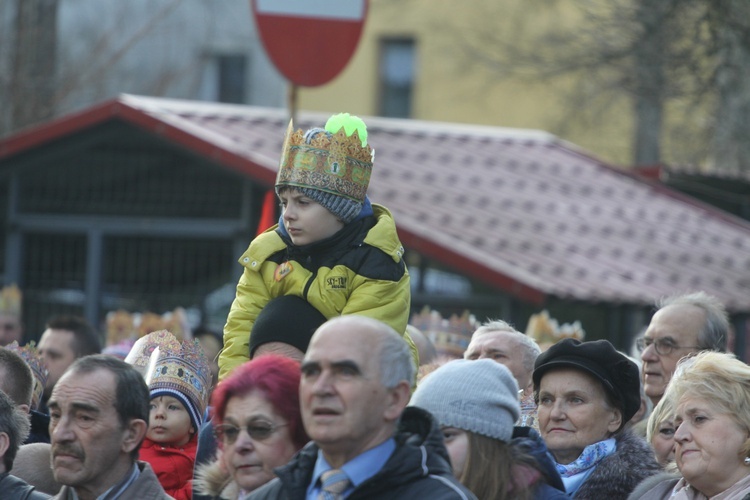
<point>258,431</point>
<point>663,347</point>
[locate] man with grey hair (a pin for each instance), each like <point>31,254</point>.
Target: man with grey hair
<point>356,380</point>
<point>99,413</point>
<point>14,427</point>
<point>500,342</point>
<point>682,325</point>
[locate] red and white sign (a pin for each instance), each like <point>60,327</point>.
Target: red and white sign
<point>310,41</point>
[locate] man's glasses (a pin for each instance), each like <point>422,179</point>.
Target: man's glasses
<point>663,347</point>
<point>258,431</point>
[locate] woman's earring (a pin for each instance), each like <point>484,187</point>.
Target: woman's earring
<point>747,461</point>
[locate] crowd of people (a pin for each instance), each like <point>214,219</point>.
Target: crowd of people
<point>322,390</point>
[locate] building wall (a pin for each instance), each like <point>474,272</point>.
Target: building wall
<point>165,48</point>
<point>453,86</point>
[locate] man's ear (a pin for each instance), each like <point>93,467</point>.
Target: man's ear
<point>24,408</point>
<point>135,431</point>
<point>398,398</point>
<point>4,444</point>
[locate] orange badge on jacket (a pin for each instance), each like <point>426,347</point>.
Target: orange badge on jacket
<point>282,270</point>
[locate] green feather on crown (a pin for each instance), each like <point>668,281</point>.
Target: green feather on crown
<point>350,124</point>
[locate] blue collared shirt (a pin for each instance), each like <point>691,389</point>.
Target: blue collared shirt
<point>358,470</point>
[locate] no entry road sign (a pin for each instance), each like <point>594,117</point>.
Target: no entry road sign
<point>310,41</point>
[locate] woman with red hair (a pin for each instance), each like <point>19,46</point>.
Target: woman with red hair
<point>258,425</point>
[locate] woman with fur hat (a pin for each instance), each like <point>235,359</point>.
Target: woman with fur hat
<point>586,393</point>
<point>476,404</point>
<point>331,247</point>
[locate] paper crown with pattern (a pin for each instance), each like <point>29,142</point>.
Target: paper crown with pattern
<point>336,160</point>
<point>151,322</point>
<point>124,327</point>
<point>142,353</point>
<point>30,354</point>
<point>546,331</point>
<point>10,301</point>
<point>183,373</point>
<point>120,327</point>
<point>451,336</point>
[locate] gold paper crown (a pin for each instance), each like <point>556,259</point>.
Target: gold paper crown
<point>31,356</point>
<point>177,323</point>
<point>10,301</point>
<point>182,371</point>
<point>150,322</point>
<point>120,327</point>
<point>142,353</point>
<point>450,336</point>
<point>546,331</point>
<point>336,164</point>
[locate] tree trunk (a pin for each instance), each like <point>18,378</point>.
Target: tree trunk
<point>731,147</point>
<point>650,82</point>
<point>32,87</point>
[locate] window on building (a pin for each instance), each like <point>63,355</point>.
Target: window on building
<point>225,79</point>
<point>397,61</point>
<point>232,71</point>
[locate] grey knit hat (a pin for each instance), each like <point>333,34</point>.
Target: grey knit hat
<point>343,208</point>
<point>477,396</point>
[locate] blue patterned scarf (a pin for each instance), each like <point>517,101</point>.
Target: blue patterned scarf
<point>590,457</point>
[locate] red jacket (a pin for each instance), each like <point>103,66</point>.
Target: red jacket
<point>172,465</point>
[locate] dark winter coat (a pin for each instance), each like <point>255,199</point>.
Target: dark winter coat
<point>617,475</point>
<point>418,468</point>
<point>13,488</point>
<point>550,487</point>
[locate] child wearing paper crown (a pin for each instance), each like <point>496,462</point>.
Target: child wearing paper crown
<point>331,247</point>
<point>179,383</point>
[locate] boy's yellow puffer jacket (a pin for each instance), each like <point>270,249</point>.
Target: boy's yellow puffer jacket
<point>358,271</point>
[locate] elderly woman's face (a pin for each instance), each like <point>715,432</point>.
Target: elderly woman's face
<point>251,460</point>
<point>663,442</point>
<point>573,413</point>
<point>708,446</point>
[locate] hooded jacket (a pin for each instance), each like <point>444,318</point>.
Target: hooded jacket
<point>418,468</point>
<point>617,475</point>
<point>359,270</point>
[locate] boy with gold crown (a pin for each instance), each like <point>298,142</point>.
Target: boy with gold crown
<point>331,247</point>
<point>179,382</point>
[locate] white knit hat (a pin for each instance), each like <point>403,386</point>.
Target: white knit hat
<point>477,396</point>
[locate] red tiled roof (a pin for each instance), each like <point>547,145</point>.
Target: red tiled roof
<point>519,209</point>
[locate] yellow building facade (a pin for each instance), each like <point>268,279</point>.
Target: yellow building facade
<point>453,78</point>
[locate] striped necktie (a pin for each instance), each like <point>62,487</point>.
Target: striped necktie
<point>333,483</point>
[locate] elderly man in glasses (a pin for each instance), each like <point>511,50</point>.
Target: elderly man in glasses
<point>682,325</point>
